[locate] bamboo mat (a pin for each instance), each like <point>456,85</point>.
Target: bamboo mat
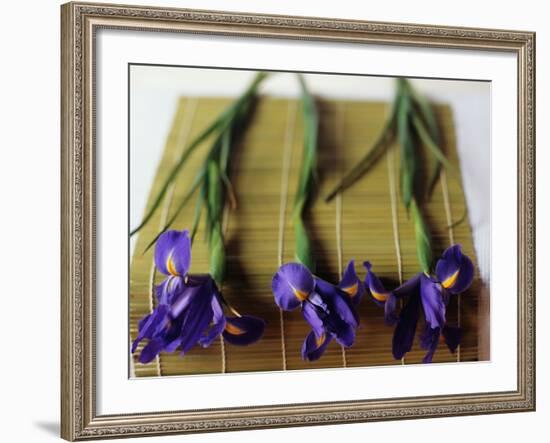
<point>367,222</point>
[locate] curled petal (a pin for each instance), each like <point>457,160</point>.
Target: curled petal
<point>172,337</point>
<point>346,310</point>
<point>314,346</point>
<point>410,287</point>
<point>191,315</point>
<point>452,336</point>
<point>429,341</point>
<point>346,336</point>
<point>403,335</point>
<point>152,325</point>
<point>218,324</point>
<point>291,285</point>
<point>337,302</point>
<point>390,317</point>
<point>375,286</point>
<point>432,302</point>
<point>351,284</point>
<point>455,270</point>
<point>173,253</point>
<point>197,286</point>
<point>314,315</point>
<point>170,289</point>
<point>197,318</point>
<point>243,330</point>
<point>151,350</point>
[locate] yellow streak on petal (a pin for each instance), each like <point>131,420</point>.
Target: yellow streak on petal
<point>170,265</point>
<point>382,297</point>
<point>320,340</point>
<point>449,282</point>
<point>300,295</point>
<point>234,330</point>
<point>351,290</point>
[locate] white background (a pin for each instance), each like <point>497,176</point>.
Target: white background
<point>117,394</point>
<point>29,183</point>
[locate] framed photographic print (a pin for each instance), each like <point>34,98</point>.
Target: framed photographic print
<point>275,221</point>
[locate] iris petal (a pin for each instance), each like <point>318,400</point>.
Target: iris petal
<point>314,346</point>
<point>390,317</point>
<point>429,341</point>
<point>311,315</point>
<point>375,286</point>
<point>403,335</point>
<point>410,287</point>
<point>465,277</point>
<point>173,253</point>
<point>170,289</point>
<point>172,338</point>
<point>197,316</point>
<point>452,336</point>
<point>218,325</point>
<point>346,336</point>
<point>151,350</point>
<point>337,301</point>
<point>243,330</point>
<point>351,284</point>
<point>291,285</point>
<point>183,301</point>
<point>455,270</point>
<point>432,302</point>
<point>152,325</point>
<point>197,285</point>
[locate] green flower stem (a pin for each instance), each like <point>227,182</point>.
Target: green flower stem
<point>212,180</point>
<point>303,249</point>
<point>423,241</point>
<point>411,120</point>
<point>227,120</point>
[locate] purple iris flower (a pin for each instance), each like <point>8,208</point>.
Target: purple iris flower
<point>189,309</point>
<point>328,309</point>
<point>454,273</point>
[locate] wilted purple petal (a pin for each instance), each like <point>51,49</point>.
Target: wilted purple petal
<point>375,286</point>
<point>170,289</point>
<point>182,302</point>
<point>243,330</point>
<point>403,336</point>
<point>143,322</point>
<point>465,277</point>
<point>390,317</point>
<point>338,301</point>
<point>331,314</point>
<point>452,336</point>
<point>218,325</point>
<point>351,284</point>
<point>429,341</point>
<point>432,302</point>
<point>410,287</point>
<point>455,270</point>
<point>291,285</point>
<point>197,316</point>
<point>346,336</point>
<point>173,253</point>
<point>152,324</point>
<point>151,350</point>
<point>172,337</point>
<point>314,346</point>
<point>311,315</point>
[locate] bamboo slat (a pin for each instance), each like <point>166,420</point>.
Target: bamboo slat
<point>358,225</point>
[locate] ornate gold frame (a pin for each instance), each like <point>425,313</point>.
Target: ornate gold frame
<point>80,21</point>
